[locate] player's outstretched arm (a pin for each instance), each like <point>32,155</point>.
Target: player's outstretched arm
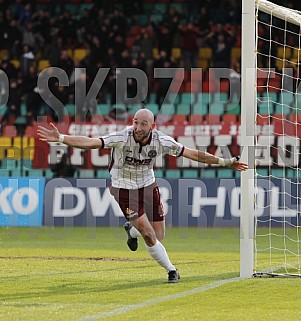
<point>204,157</point>
<point>53,135</point>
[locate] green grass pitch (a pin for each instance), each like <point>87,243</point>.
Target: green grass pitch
<point>85,274</point>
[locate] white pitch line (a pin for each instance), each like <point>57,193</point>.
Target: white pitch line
<point>148,303</point>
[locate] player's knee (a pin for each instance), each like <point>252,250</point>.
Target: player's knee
<point>149,238</point>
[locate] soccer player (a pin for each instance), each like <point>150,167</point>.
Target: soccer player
<point>134,150</point>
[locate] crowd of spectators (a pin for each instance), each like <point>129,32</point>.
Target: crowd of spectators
<point>113,36</point>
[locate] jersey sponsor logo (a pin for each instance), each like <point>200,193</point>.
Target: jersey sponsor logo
<point>133,161</point>
<point>176,149</point>
<point>152,153</point>
<point>130,213</point>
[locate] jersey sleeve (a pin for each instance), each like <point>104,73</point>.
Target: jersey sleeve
<point>170,146</point>
<point>114,139</point>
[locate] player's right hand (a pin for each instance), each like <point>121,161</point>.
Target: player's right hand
<point>48,135</point>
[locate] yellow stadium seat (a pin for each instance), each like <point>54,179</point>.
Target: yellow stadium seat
<point>16,63</point>
<point>79,54</point>
<point>236,52</point>
<point>203,63</point>
<point>205,53</point>
<point>284,52</point>
<point>42,64</point>
<point>176,53</point>
<point>155,53</point>
<point>3,53</point>
<point>296,53</point>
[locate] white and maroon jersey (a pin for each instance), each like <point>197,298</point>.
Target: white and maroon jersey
<point>132,163</point>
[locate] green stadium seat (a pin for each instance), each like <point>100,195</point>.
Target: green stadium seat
<point>233,109</point>
<point>143,19</point>
<point>286,98</point>
<point>237,174</point>
<point>86,173</point>
<point>225,173</point>
<point>265,108</point>
<point>282,109</point>
<point>183,109</point>
<point>173,173</point>
<point>103,109</point>
<point>187,98</point>
<point>15,173</point>
<point>159,173</point>
<point>70,109</point>
<point>159,7</point>
<point>200,109</point>
<point>153,108</point>
<point>119,106</point>
<point>4,173</point>
<point>220,97</point>
<point>167,109</point>
<point>173,98</point>
<point>2,110</point>
<point>293,173</point>
<point>152,98</point>
<point>102,173</point>
<point>203,98</point>
<point>190,173</point>
<point>23,110</point>
<point>134,108</point>
<point>12,164</point>
<point>278,172</point>
<point>48,173</point>
<point>208,173</point>
<point>33,172</point>
<point>216,108</point>
<point>262,172</point>
<point>270,96</point>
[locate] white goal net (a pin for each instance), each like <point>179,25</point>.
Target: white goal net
<point>277,141</point>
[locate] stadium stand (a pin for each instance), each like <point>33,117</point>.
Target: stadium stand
<point>66,37</point>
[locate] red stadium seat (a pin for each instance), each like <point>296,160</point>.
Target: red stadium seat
<point>196,119</point>
<point>211,119</point>
<point>229,118</point>
<point>179,119</point>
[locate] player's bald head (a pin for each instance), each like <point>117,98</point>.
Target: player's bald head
<point>145,114</point>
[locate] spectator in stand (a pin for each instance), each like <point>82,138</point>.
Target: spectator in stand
<point>68,27</point>
<point>65,62</point>
<point>54,98</point>
<point>33,99</point>
<point>9,69</point>
<point>171,18</point>
<point>234,77</point>
<point>165,35</point>
<point>144,45</point>
<point>24,13</point>
<point>221,43</point>
<point>204,25</point>
<point>163,83</point>
<point>64,168</point>
<point>85,108</point>
<point>27,59</point>
<point>13,104</point>
<point>189,45</point>
<point>193,7</point>
<point>119,23</point>
<point>10,36</point>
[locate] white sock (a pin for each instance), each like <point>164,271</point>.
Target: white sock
<point>134,232</point>
<point>159,253</point>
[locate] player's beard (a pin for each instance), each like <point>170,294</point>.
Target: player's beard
<point>142,137</point>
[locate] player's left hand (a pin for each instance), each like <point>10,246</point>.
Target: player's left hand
<point>237,165</point>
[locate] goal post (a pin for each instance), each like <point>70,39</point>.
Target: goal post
<point>270,225</point>
<point>248,104</point>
